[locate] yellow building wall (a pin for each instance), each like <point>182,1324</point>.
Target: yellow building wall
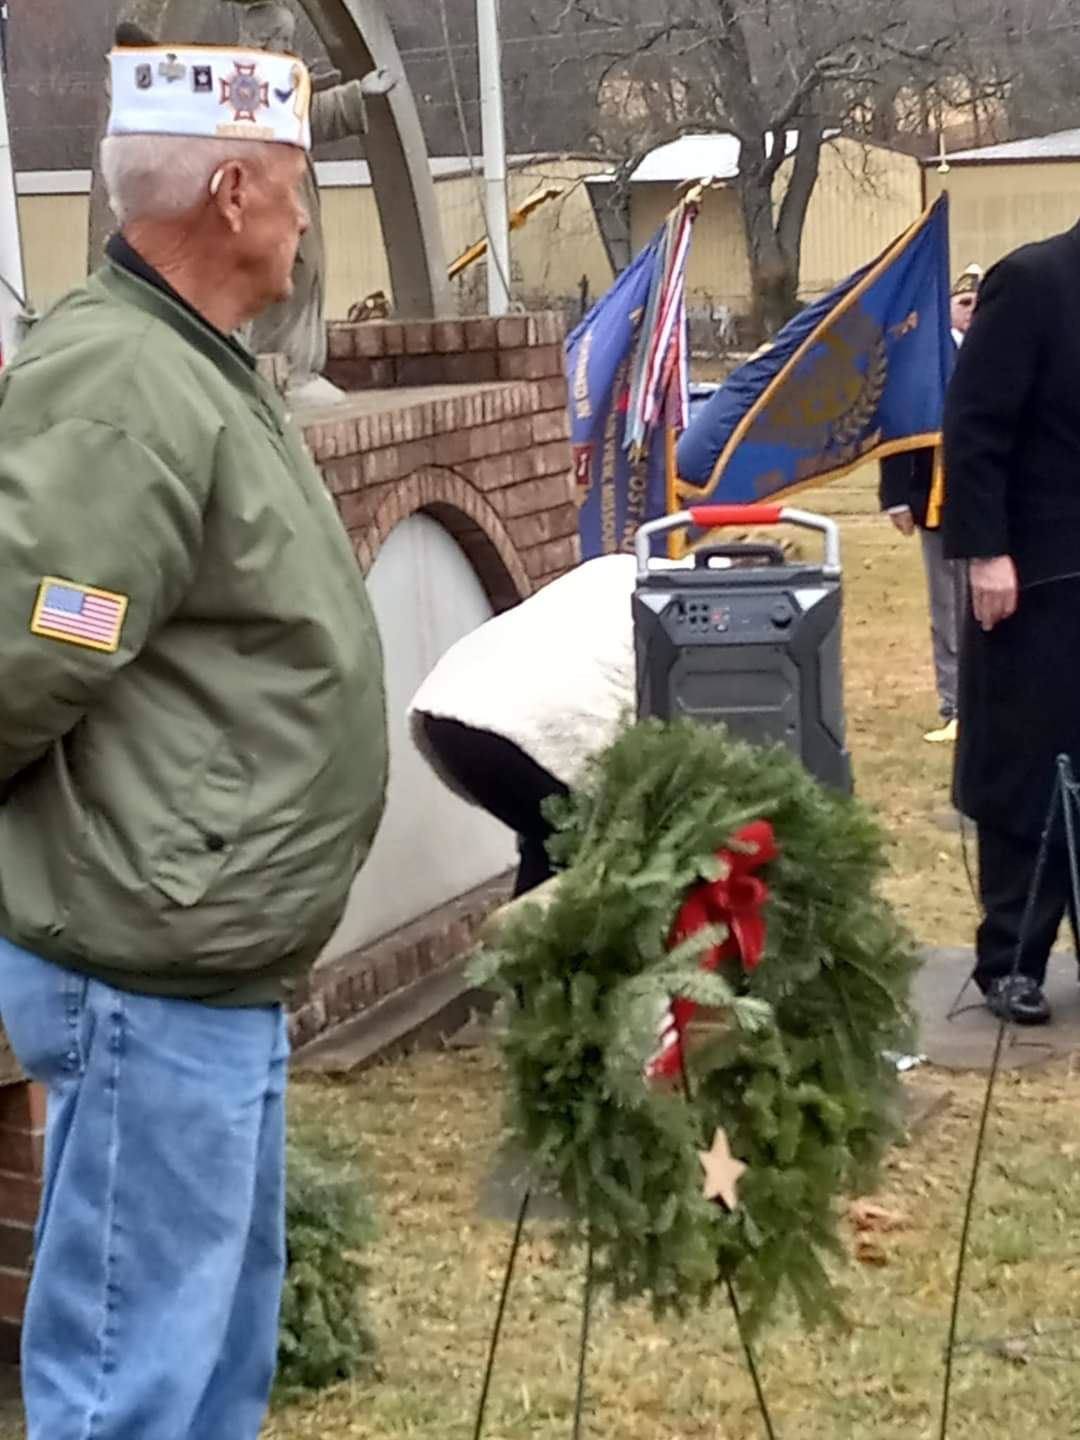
<point>54,241</point>
<point>354,247</point>
<point>863,199</point>
<point>549,255</point>
<point>560,245</point>
<point>995,208</point>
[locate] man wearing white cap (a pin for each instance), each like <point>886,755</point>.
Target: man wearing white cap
<point>192,760</point>
<point>296,328</point>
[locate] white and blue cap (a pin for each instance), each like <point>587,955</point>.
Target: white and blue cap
<point>219,94</point>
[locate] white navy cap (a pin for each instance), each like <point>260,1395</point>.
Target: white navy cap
<point>968,281</point>
<point>221,94</point>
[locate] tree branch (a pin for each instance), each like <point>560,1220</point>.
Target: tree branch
<point>800,189</point>
<point>849,59</point>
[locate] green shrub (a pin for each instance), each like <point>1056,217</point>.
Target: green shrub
<point>325,1333</point>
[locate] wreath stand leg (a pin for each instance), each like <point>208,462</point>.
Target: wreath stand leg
<point>958,1007</point>
<point>744,1339</point>
<point>751,1361</point>
<point>583,1352</point>
<point>496,1333</point>
<point>1066,797</point>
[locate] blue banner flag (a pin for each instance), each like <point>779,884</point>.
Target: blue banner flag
<point>856,376</point>
<point>628,378</point>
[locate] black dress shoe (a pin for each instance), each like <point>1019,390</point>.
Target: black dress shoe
<point>1018,998</point>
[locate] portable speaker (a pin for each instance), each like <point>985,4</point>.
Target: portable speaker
<point>753,641</point>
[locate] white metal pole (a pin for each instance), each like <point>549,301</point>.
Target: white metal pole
<point>12,277</point>
<point>493,132</point>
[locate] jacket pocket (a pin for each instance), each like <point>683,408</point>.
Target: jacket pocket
<point>203,837</point>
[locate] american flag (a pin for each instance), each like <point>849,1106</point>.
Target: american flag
<point>67,611</point>
<point>659,384</point>
<point>628,362</point>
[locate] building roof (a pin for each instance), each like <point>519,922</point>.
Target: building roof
<point>693,157</point>
<point>331,174</point>
<point>1062,145</point>
<point>713,156</point>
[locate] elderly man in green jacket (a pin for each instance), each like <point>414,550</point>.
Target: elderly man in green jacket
<point>192,760</point>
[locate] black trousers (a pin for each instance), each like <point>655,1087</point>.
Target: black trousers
<point>1006,875</point>
<point>505,782</point>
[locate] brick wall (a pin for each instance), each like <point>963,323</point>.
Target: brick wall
<point>381,354</point>
<point>357,983</point>
<point>490,459</point>
<point>22,1128</point>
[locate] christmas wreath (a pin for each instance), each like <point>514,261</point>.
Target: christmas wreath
<point>714,959</point>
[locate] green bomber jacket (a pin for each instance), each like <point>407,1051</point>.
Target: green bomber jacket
<point>193,743</point>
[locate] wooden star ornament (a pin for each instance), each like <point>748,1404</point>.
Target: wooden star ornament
<point>722,1171</point>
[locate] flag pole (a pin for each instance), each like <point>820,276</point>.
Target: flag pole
<point>676,545</point>
<point>493,130</point>
<point>690,201</point>
<point>13,303</point>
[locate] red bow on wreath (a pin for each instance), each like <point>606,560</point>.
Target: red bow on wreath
<point>735,900</point>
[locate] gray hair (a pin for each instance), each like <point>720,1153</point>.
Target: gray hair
<point>161,177</point>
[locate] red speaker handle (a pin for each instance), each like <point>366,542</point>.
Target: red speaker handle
<point>710,516</point>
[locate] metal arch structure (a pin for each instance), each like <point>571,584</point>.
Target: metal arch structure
<point>358,38</point>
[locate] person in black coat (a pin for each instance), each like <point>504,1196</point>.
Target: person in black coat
<point>906,494</point>
<point>1012,512</point>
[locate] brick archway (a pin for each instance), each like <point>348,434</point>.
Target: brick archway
<point>462,510</point>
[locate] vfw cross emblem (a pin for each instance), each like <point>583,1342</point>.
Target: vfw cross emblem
<point>245,92</point>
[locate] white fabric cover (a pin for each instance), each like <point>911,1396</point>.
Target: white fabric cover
<point>555,675</point>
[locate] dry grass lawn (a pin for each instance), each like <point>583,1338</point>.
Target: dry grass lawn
<point>430,1126</point>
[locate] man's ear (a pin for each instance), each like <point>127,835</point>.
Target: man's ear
<point>227,193</point>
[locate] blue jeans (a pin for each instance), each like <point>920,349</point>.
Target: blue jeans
<point>153,1305</point>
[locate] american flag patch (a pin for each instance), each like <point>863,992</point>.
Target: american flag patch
<point>79,614</point>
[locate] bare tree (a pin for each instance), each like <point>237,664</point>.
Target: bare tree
<point>777,74</point>
<point>1041,40</point>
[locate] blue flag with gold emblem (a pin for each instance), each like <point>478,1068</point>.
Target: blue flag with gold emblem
<point>627,364</point>
<point>856,376</point>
